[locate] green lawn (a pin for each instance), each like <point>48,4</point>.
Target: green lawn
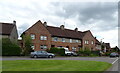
<point>54,65</point>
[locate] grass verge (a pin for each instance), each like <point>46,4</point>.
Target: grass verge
<point>54,65</point>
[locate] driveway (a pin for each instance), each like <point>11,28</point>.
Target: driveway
<point>113,61</point>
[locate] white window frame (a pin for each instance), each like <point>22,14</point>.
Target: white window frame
<point>74,48</point>
<point>79,41</point>
<point>32,36</point>
<point>63,39</point>
<point>43,46</point>
<point>55,38</point>
<point>76,41</point>
<point>43,37</point>
<point>33,47</point>
<point>70,40</point>
<point>86,42</point>
<point>92,42</point>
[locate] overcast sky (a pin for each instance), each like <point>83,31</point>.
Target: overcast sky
<point>99,17</point>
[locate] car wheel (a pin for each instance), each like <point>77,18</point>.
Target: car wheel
<point>35,56</point>
<point>50,56</point>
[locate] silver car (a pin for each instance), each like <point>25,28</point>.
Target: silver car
<point>37,54</point>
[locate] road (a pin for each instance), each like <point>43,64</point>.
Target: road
<point>113,61</point>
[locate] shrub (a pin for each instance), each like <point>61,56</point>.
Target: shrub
<point>88,53</point>
<point>9,48</point>
<point>57,51</point>
<point>107,53</point>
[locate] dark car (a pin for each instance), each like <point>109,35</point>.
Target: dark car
<point>114,54</point>
<point>37,54</point>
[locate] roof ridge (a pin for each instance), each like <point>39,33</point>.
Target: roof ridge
<point>65,28</point>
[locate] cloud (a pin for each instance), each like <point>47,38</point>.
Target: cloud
<point>95,16</point>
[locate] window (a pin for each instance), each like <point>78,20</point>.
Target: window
<point>73,48</point>
<point>70,40</point>
<point>32,36</point>
<point>43,47</point>
<point>43,37</point>
<point>79,41</point>
<point>63,39</point>
<point>55,39</point>
<point>76,41</point>
<point>92,42</point>
<point>33,47</point>
<point>86,42</point>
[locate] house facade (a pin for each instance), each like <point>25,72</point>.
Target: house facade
<point>9,30</point>
<point>44,37</point>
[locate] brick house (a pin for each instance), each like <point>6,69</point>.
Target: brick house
<point>9,30</point>
<point>44,36</point>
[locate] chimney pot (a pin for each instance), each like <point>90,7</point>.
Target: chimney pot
<point>14,22</point>
<point>76,29</point>
<point>45,24</point>
<point>62,27</point>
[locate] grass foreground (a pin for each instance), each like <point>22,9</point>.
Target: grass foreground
<point>54,65</point>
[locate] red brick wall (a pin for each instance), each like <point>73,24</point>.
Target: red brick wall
<point>39,29</point>
<point>90,38</point>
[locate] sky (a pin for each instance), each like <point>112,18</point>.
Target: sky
<point>101,17</point>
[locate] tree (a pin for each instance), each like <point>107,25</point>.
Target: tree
<point>9,48</point>
<point>27,41</point>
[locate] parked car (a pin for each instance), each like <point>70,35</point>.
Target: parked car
<point>70,53</point>
<point>37,54</point>
<point>114,54</point>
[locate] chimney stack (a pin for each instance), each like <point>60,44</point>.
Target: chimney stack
<point>62,27</point>
<point>95,37</point>
<point>14,22</point>
<point>45,24</point>
<point>76,29</point>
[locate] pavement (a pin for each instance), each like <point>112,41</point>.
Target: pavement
<point>113,61</point>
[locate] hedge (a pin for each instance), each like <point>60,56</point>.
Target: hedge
<point>57,51</point>
<point>9,48</point>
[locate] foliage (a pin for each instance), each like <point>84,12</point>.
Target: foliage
<point>9,48</point>
<point>107,54</point>
<point>27,44</point>
<point>57,51</point>
<point>87,52</point>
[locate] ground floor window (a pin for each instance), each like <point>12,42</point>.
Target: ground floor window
<point>43,46</point>
<point>33,47</point>
<point>74,48</point>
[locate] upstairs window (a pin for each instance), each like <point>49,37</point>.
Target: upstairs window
<point>76,41</point>
<point>92,42</point>
<point>86,42</point>
<point>70,40</point>
<point>63,39</point>
<point>32,36</point>
<point>43,37</point>
<point>79,41</point>
<point>55,39</point>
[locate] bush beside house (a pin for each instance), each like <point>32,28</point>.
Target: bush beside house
<point>9,48</point>
<point>87,52</point>
<point>57,51</point>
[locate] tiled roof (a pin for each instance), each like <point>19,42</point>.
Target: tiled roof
<point>56,31</point>
<point>6,28</point>
<point>97,42</point>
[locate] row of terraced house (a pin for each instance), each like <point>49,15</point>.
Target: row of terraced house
<point>44,37</point>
